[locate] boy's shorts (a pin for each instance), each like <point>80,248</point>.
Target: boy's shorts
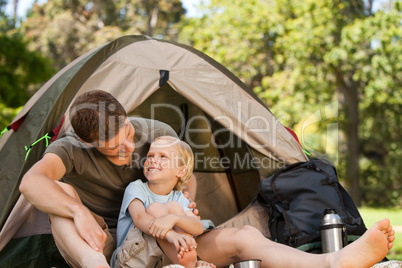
<point>139,250</point>
<point>142,250</point>
<point>110,244</point>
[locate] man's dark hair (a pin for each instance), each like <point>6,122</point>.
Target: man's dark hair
<point>96,115</point>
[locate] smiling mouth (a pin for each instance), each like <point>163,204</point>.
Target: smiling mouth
<point>153,169</point>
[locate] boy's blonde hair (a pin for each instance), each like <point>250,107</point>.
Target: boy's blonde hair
<point>186,158</point>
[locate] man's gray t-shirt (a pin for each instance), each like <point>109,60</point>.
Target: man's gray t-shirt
<point>99,182</point>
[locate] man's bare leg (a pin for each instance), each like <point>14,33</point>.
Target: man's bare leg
<point>227,245</point>
<point>66,236</point>
<point>224,246</point>
<point>371,248</point>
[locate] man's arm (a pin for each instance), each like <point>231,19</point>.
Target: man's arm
<point>39,186</point>
<point>191,192</point>
<point>192,187</point>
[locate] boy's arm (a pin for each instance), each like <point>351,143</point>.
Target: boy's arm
<point>188,223</point>
<point>142,221</point>
<point>140,217</point>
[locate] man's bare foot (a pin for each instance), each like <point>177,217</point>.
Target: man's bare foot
<point>200,264</point>
<point>368,250</point>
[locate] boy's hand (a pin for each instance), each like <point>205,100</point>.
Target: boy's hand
<point>192,205</point>
<point>181,242</point>
<point>160,226</point>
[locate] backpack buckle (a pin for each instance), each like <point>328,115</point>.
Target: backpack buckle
<point>292,241</point>
<point>285,204</point>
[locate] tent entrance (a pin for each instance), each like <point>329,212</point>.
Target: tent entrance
<point>227,177</point>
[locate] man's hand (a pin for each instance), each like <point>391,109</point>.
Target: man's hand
<point>192,205</point>
<point>89,229</point>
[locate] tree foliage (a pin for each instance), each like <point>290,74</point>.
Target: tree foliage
<point>306,59</point>
<point>59,31</point>
<point>63,29</point>
<point>379,71</point>
<point>21,70</point>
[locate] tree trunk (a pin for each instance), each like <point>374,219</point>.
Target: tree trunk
<point>350,91</point>
<point>15,12</point>
<point>352,136</point>
<point>152,8</point>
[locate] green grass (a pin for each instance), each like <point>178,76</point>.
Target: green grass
<point>372,215</point>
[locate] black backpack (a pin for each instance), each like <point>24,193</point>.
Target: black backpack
<point>295,198</point>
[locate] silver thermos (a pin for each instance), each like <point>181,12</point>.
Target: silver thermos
<point>333,231</point>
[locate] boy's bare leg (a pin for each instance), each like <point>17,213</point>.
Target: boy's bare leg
<point>227,245</point>
<point>184,257</point>
<point>66,236</point>
<point>187,259</point>
<point>175,208</point>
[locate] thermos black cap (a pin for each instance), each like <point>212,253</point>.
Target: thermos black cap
<point>330,211</point>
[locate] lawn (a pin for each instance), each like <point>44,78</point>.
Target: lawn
<point>371,215</point>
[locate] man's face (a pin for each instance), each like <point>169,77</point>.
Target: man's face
<point>122,144</point>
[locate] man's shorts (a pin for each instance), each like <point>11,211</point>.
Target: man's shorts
<point>138,250</point>
<point>110,244</point>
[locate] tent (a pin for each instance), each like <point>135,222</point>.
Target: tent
<point>236,139</point>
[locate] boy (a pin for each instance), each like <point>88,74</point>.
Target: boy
<point>158,207</point>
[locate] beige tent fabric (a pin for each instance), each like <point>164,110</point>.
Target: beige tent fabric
<point>14,221</point>
<point>215,199</point>
<point>137,67</point>
<point>254,215</point>
<point>24,220</point>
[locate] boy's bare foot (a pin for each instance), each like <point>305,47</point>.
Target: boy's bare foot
<point>200,264</point>
<point>187,258</point>
<point>368,250</point>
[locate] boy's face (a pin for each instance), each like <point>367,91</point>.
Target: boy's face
<point>121,145</point>
<point>163,165</point>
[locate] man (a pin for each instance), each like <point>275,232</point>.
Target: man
<point>96,164</point>
<point>98,160</point>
